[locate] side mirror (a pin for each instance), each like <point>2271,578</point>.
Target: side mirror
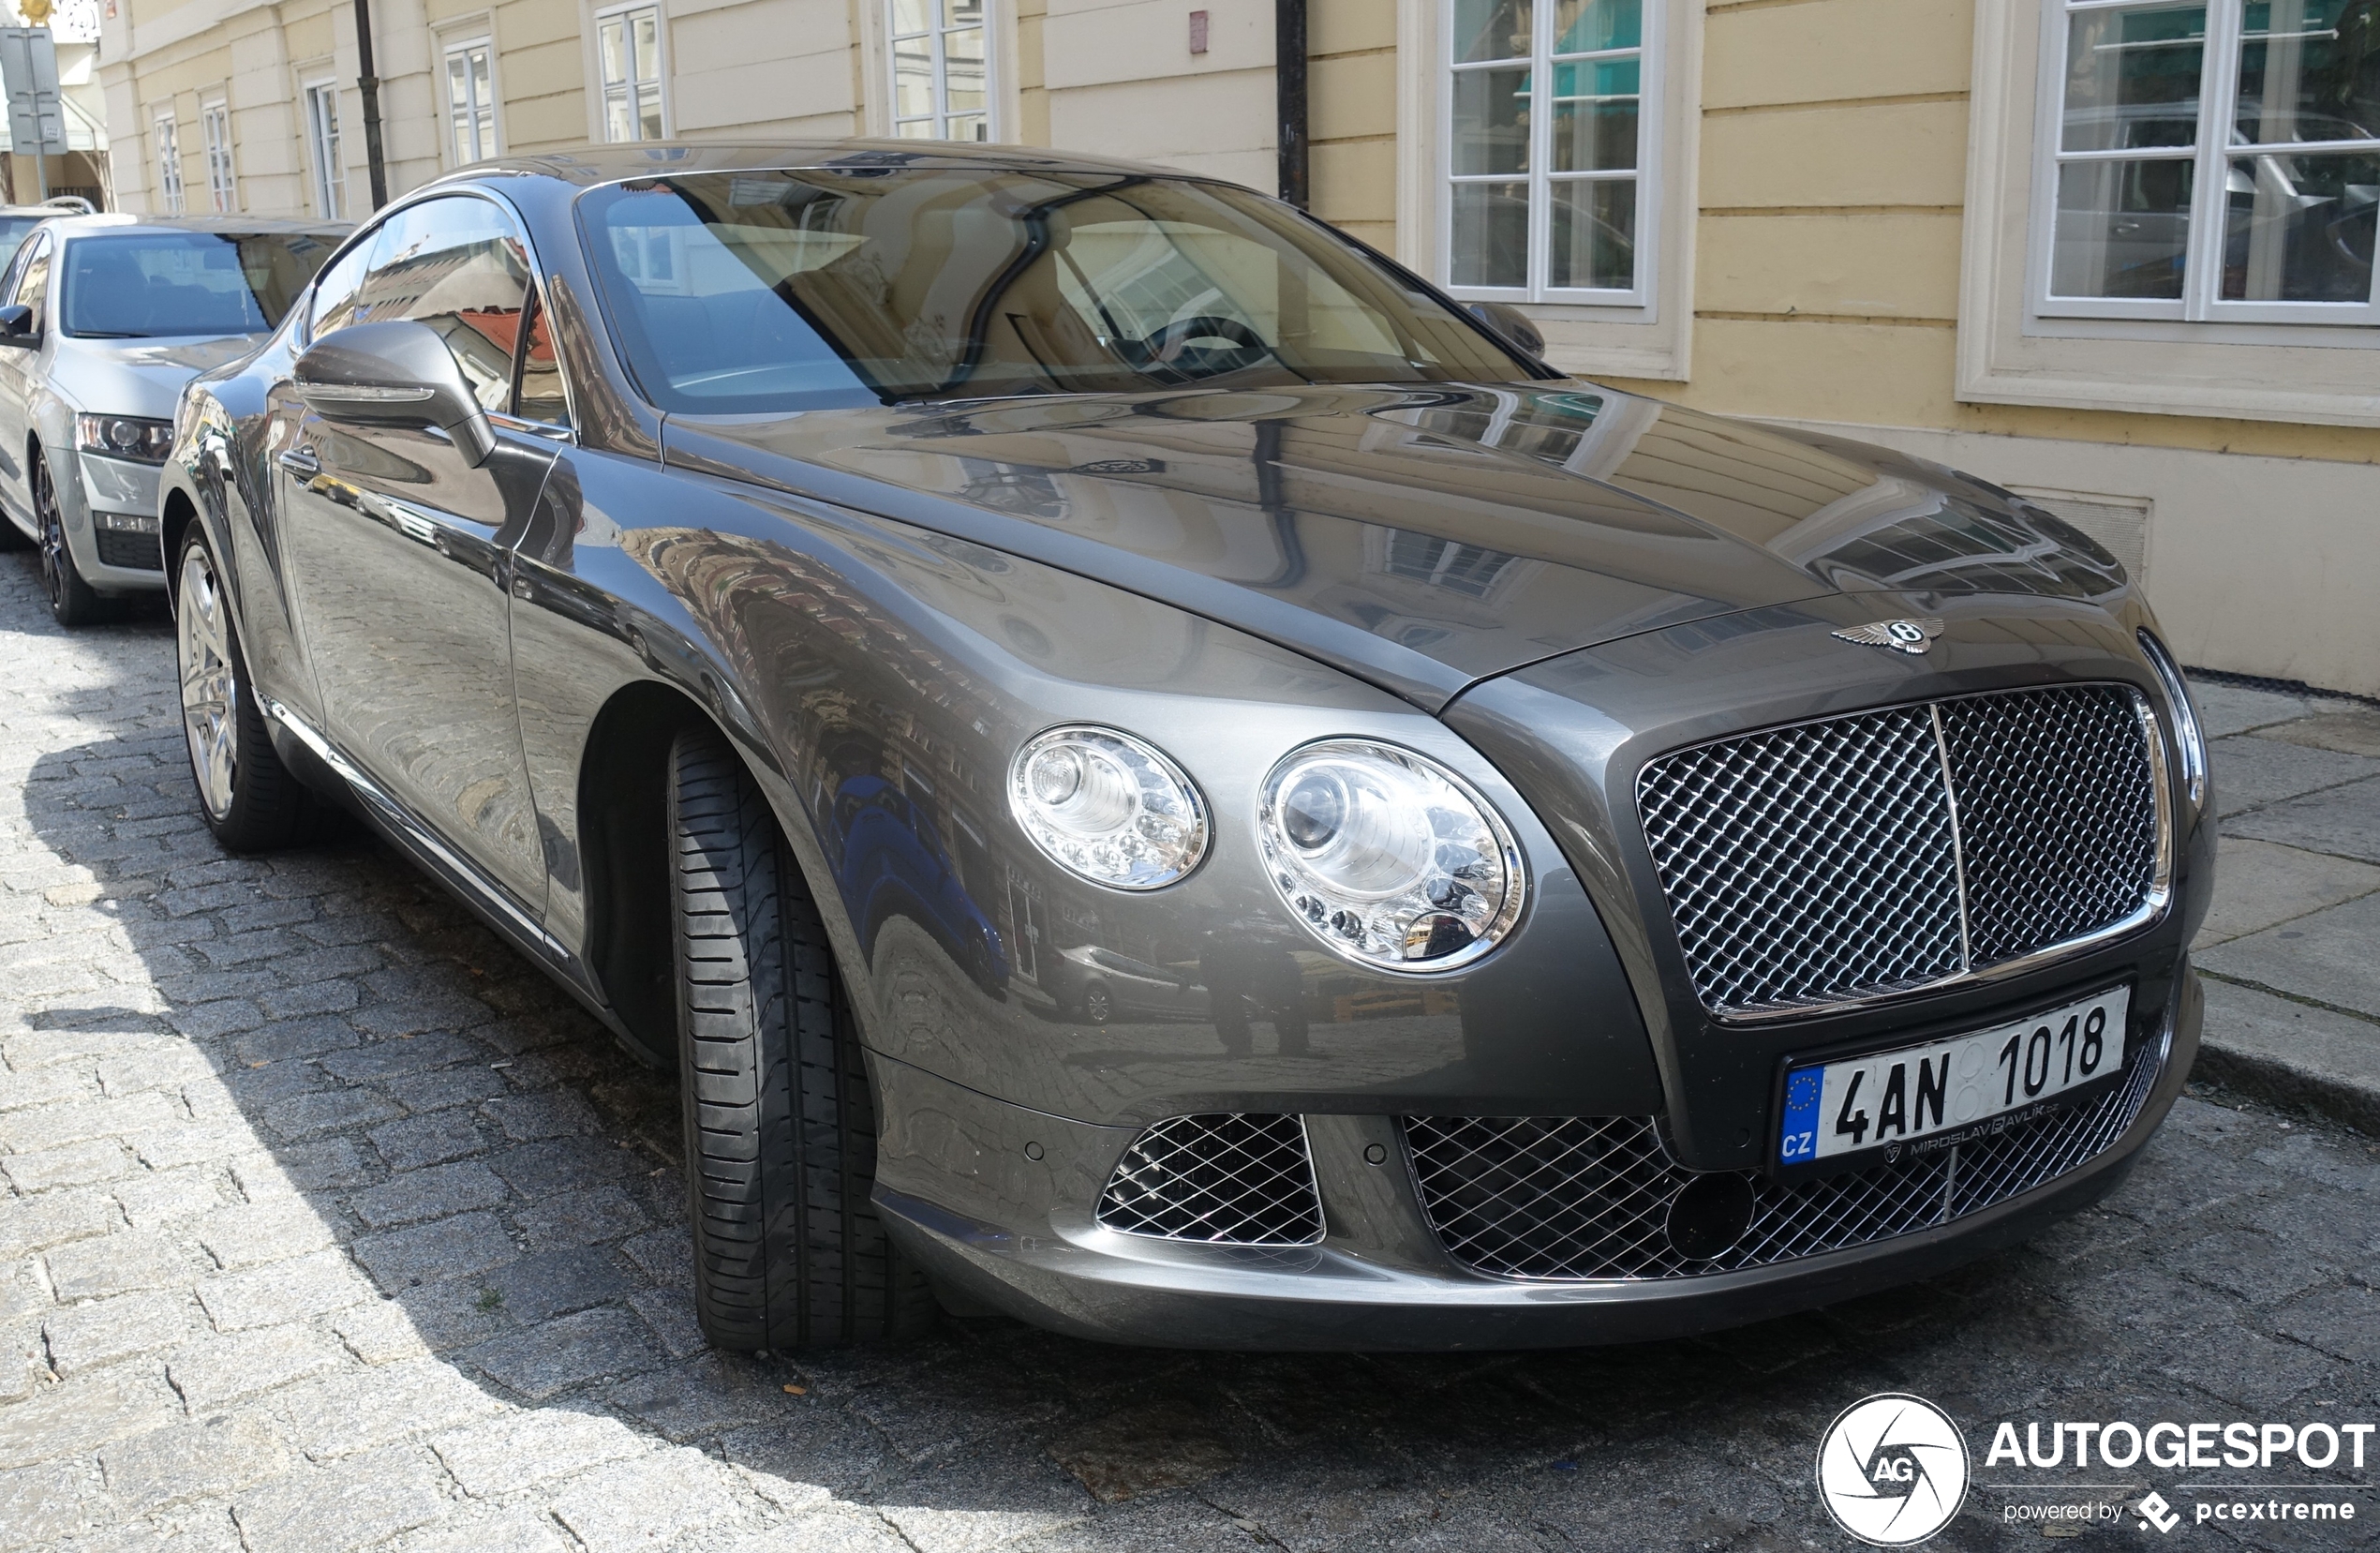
<point>16,325</point>
<point>395,374</point>
<point>1513,324</point>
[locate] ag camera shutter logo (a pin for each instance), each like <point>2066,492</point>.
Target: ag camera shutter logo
<point>1892,1469</point>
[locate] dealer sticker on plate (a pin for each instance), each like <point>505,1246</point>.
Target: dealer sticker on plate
<point>1921,1092</point>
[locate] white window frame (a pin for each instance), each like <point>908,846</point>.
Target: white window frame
<point>215,131</point>
<point>602,98</point>
<point>455,118</point>
<point>1542,177</point>
<point>2012,352</point>
<point>2203,258</point>
<point>327,155</point>
<point>939,116</point>
<point>1647,332</point>
<point>169,140</point>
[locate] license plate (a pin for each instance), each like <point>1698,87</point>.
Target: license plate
<point>1922,1093</point>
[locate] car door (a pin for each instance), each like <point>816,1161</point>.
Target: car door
<point>398,549</point>
<point>20,373</point>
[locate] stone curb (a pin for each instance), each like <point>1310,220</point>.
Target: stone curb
<point>2291,1053</point>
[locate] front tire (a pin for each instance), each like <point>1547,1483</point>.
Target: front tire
<point>781,1130</point>
<point>73,601</point>
<point>250,800</point>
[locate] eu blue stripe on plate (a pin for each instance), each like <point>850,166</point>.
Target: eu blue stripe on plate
<point>1801,1092</point>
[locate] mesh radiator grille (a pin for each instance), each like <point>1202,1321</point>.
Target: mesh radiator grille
<point>1225,1178</point>
<point>1574,1198</point>
<point>1868,855</point>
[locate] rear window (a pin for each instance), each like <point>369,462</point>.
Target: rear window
<point>144,284</point>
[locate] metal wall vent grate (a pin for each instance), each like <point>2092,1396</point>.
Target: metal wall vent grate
<point>1223,1178</point>
<point>1867,856</point>
<point>1576,1198</point>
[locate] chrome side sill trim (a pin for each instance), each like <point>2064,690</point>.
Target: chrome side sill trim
<point>465,874</point>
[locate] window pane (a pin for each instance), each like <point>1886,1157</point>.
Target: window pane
<point>913,80</point>
<point>457,82</point>
<point>969,126</point>
<point>1587,27</point>
<point>962,55</point>
<point>612,45</point>
<point>1594,234</point>
<point>909,16</point>
<point>1594,116</point>
<point>915,130</point>
<point>618,125</point>
<point>648,111</point>
<point>541,397</point>
<point>1492,29</point>
<point>648,59</point>
<point>2309,70</point>
<point>2299,228</point>
<point>1491,121</point>
<point>483,96</point>
<point>2131,77</point>
<point>1490,235</point>
<point>2122,230</point>
<point>962,13</point>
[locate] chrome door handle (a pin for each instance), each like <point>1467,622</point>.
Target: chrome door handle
<point>301,460</point>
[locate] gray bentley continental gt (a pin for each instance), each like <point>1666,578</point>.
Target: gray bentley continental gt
<point>1146,770</point>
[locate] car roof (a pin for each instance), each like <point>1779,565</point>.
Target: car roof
<point>71,225</point>
<point>589,166</point>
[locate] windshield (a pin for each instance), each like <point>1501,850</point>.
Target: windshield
<point>757,291</point>
<point>14,229</point>
<point>185,282</point>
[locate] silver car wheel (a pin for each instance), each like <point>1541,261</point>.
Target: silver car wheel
<point>210,685</point>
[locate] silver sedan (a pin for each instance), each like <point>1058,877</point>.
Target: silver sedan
<point>104,318</point>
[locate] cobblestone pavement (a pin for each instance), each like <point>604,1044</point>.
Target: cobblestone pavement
<point>330,1225</point>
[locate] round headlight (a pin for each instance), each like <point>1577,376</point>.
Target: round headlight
<point>1108,808</point>
<point>1388,856</point>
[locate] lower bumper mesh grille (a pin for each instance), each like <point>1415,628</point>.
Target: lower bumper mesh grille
<point>139,552</point>
<point>1588,1196</point>
<point>1226,1179</point>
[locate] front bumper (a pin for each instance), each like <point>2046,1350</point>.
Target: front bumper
<point>111,512</point>
<point>997,1202</point>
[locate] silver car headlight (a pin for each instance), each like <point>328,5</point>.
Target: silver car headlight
<point>1108,807</point>
<point>1388,856</point>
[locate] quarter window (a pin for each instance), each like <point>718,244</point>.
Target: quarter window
<point>2212,161</point>
<point>322,131</point>
<point>628,48</point>
<point>33,282</point>
<point>1549,120</point>
<point>941,81</point>
<point>470,101</point>
<point>215,126</point>
<point>169,165</point>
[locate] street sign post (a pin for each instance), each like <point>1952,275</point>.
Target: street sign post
<point>29,72</point>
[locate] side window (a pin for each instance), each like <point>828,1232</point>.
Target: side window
<point>334,293</point>
<point>459,265</point>
<point>33,282</point>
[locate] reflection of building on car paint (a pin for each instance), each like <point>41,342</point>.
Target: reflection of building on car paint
<point>892,862</point>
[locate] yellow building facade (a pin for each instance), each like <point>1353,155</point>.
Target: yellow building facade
<point>1979,230</point>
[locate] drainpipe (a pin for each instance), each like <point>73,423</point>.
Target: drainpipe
<point>368,82</point>
<point>1289,97</point>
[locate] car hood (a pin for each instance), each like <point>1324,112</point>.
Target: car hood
<point>139,377</point>
<point>1422,539</point>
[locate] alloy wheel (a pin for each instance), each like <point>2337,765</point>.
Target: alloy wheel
<point>209,684</point>
<point>54,560</point>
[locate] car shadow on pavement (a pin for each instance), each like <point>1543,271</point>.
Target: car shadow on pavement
<point>359,1231</point>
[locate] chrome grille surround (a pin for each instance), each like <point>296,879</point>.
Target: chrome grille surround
<point>1223,1178</point>
<point>1831,864</point>
<point>1580,1199</point>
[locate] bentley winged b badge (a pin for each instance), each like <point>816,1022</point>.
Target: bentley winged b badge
<point>1910,637</point>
